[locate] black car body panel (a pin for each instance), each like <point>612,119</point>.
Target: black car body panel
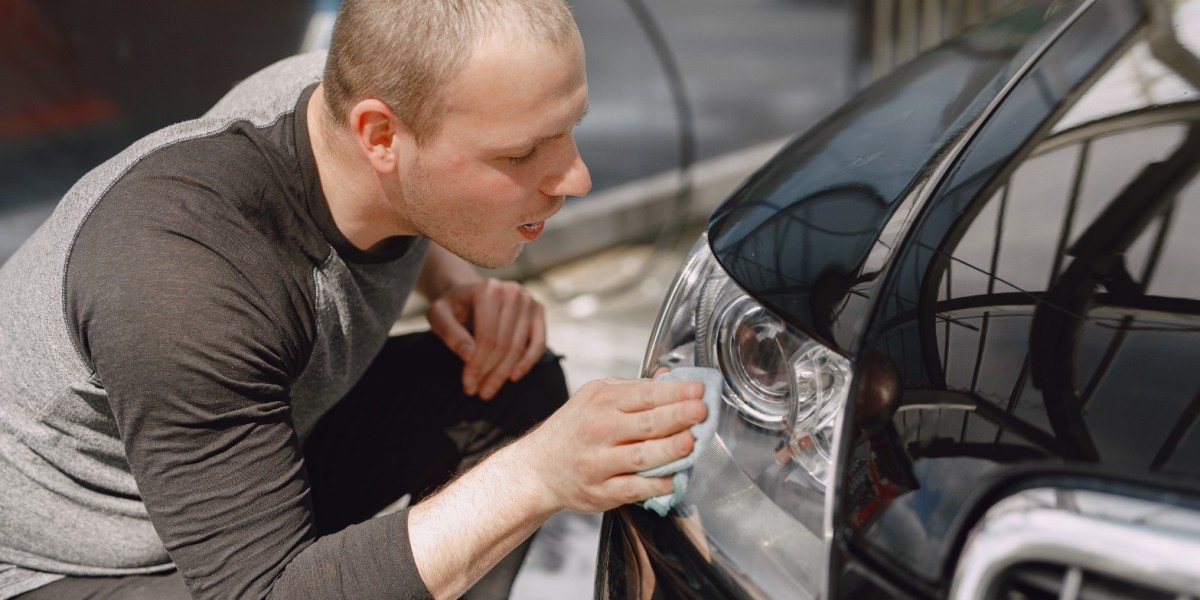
<point>799,234</point>
<point>1011,259</point>
<point>1051,353</point>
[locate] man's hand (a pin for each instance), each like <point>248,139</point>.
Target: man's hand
<point>585,457</point>
<point>590,451</point>
<point>495,327</point>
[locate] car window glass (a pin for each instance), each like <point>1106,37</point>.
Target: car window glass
<point>1137,80</point>
<point>1176,272</point>
<point>1113,160</point>
<point>968,273</point>
<point>1087,245</point>
<point>1044,311</point>
<point>1026,247</point>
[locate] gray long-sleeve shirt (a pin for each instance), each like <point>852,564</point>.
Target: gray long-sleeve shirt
<point>167,339</point>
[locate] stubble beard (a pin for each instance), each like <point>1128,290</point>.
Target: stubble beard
<point>452,232</point>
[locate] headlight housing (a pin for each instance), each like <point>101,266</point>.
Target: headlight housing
<point>758,492</point>
<point>777,378</point>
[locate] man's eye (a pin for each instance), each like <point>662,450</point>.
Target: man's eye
<point>524,158</point>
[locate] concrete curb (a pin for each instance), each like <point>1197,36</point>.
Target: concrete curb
<point>635,211</point>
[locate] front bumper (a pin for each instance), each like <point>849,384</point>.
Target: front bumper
<point>729,538</point>
<point>644,556</point>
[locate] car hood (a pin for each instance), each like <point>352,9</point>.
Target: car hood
<point>809,232</point>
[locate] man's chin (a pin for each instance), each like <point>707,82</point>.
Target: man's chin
<point>497,260</point>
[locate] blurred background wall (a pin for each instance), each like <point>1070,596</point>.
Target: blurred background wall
<point>672,83</point>
<point>80,80</point>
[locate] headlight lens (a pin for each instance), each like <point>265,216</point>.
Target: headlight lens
<point>758,492</point>
<point>777,378</point>
<point>752,348</point>
<point>823,382</point>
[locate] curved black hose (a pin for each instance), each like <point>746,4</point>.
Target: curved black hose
<point>676,218</point>
<point>687,123</point>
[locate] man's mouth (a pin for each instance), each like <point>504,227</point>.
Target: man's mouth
<point>531,230</point>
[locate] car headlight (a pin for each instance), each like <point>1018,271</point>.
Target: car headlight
<point>758,492</point>
<point>779,379</point>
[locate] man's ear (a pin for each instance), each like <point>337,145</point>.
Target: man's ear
<point>384,139</point>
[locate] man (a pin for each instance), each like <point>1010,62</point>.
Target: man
<point>175,338</point>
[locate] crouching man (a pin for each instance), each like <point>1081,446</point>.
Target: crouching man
<point>199,393</point>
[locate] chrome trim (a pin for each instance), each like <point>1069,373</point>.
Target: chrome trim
<point>683,283</point>
<point>1153,544</point>
<point>832,478</point>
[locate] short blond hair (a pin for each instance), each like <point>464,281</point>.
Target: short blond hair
<point>404,52</point>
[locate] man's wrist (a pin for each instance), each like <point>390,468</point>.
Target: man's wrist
<point>523,460</point>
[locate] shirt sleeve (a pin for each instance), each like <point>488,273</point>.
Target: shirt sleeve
<point>195,334</point>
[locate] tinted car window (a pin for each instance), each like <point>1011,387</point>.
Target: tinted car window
<point>1046,304</point>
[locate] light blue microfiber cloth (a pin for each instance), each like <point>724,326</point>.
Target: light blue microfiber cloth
<point>703,431</point>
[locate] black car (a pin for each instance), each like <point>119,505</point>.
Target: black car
<point>959,324</point>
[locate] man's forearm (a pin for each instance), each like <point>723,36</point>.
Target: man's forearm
<point>585,457</point>
<point>461,532</point>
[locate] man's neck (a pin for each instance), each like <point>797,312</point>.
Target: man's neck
<point>353,190</point>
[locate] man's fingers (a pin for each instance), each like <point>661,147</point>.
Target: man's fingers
<point>536,346</point>
<point>648,395</point>
<point>486,315</point>
<point>662,421</point>
<point>499,334</point>
<point>627,489</point>
<point>509,353</point>
<point>510,331</point>
<point>492,313</point>
<point>454,334</point>
<point>641,456</point>
<point>515,325</point>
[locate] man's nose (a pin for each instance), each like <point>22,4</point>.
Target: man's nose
<point>574,180</point>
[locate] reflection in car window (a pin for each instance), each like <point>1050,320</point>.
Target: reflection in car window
<point>1090,237</point>
<point>1047,304</point>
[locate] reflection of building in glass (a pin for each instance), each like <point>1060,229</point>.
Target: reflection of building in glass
<point>1066,294</point>
<point>894,32</point>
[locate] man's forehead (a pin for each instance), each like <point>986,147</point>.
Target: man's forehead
<point>534,91</point>
<point>521,136</point>
<point>503,72</point>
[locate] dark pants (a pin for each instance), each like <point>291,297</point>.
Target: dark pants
<point>405,428</point>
